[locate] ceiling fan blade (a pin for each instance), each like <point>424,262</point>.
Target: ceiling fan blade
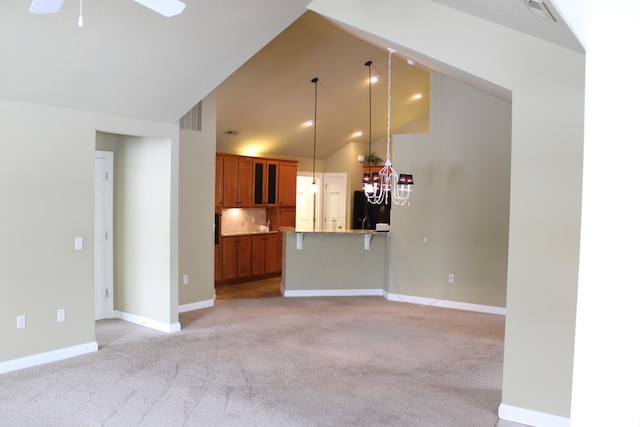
<point>42,7</point>
<point>166,8</point>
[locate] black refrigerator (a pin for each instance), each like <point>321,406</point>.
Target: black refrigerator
<point>366,215</point>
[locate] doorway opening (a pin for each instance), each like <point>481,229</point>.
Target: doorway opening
<point>103,235</point>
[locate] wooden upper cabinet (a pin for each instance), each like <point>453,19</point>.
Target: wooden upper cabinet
<point>245,182</point>
<point>237,186</point>
<point>287,184</point>
<point>265,179</point>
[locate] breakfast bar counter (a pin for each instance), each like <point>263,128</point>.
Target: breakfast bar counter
<point>334,262</point>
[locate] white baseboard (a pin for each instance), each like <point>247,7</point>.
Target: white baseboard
<point>195,306</point>
<point>333,293</point>
<point>531,418</point>
<point>446,304</point>
<point>149,323</point>
<point>394,297</point>
<point>47,357</point>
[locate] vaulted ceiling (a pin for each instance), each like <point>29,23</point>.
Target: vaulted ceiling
<point>259,57</point>
<point>263,106</point>
<point>128,60</point>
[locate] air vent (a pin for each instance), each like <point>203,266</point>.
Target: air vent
<point>193,119</point>
<point>231,132</point>
<point>540,9</point>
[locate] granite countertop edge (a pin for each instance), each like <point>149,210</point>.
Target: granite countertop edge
<point>338,231</point>
<point>248,233</point>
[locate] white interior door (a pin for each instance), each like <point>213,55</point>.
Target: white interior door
<point>334,202</point>
<point>103,234</point>
<point>306,202</point>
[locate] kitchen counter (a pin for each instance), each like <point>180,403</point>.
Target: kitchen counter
<point>337,231</point>
<point>248,233</point>
<point>334,262</point>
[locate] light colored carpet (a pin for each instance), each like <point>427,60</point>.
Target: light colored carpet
<point>354,361</point>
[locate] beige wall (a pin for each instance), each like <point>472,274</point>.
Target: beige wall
<point>46,181</point>
<point>143,224</point>
<point>46,177</point>
<point>139,166</point>
<point>334,262</point>
<point>197,177</point>
<point>547,83</point>
<point>460,203</point>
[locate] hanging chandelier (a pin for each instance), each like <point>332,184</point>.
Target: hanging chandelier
<point>386,184</point>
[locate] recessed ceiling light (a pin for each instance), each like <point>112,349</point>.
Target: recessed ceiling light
<point>309,122</point>
<point>374,79</point>
<point>417,95</point>
<point>357,133</point>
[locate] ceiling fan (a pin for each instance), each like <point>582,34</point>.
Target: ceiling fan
<point>166,8</point>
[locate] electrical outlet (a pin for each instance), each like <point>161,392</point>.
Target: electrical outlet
<point>185,279</point>
<point>62,315</point>
<point>21,321</point>
<point>451,278</point>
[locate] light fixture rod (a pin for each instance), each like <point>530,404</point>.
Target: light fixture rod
<point>314,186</point>
<point>389,107</point>
<point>368,64</point>
<point>315,125</point>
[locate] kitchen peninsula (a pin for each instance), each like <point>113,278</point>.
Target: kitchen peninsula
<point>341,262</point>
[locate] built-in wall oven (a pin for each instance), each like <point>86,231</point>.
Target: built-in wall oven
<point>217,229</point>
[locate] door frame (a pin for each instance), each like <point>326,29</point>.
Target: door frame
<point>108,156</point>
<point>318,196</point>
<point>344,202</point>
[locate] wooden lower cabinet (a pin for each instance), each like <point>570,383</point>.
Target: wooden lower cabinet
<point>217,265</point>
<point>236,257</point>
<point>247,256</point>
<point>286,218</point>
<point>264,252</point>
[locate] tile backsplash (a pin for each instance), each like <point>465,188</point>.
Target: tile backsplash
<point>237,220</point>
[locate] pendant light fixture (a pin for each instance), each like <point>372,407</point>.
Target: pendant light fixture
<point>367,185</point>
<point>314,186</point>
<point>380,186</point>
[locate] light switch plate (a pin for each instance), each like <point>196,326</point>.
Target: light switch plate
<point>21,321</point>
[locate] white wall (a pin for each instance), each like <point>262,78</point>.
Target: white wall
<point>606,368</point>
<point>345,160</point>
